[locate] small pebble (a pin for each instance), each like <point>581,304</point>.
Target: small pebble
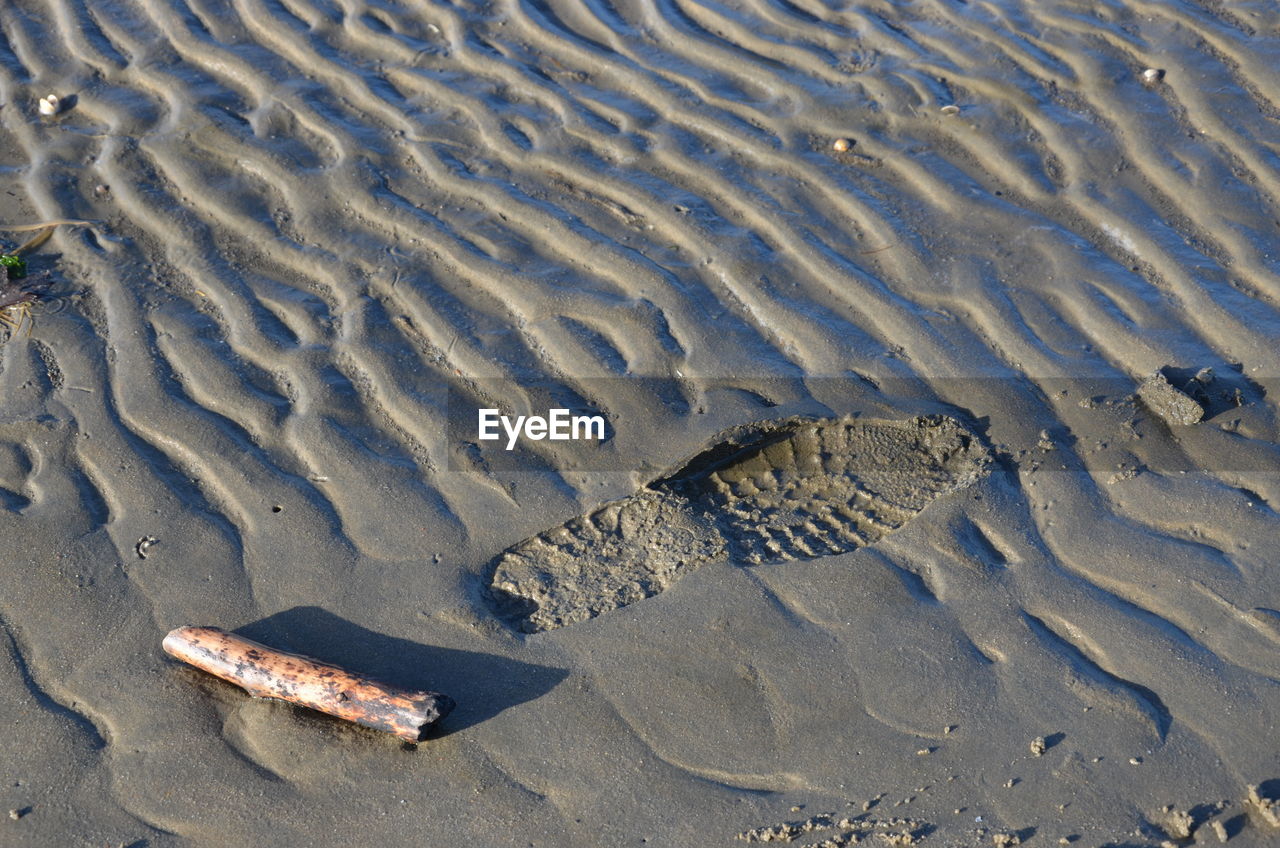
<point>841,145</point>
<point>15,815</point>
<point>951,109</point>
<point>1135,761</point>
<point>1151,76</point>
<point>50,105</point>
<point>1038,746</point>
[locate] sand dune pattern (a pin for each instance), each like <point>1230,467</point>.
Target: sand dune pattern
<point>771,492</point>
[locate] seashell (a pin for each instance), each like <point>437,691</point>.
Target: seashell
<point>50,105</point>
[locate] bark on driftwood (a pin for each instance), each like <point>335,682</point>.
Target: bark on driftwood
<point>267,673</point>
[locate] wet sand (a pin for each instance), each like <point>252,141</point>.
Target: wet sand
<point>323,234</point>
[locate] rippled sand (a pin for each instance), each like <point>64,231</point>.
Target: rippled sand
<point>322,231</point>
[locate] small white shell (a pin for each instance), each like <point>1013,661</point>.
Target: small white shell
<point>841,145</point>
<point>1151,76</point>
<point>950,109</point>
<point>50,105</point>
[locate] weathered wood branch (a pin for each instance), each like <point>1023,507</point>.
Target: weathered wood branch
<point>267,673</point>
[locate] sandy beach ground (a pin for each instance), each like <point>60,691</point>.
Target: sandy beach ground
<point>317,236</point>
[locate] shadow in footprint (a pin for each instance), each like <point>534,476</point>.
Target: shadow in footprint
<point>1269,788</point>
<point>483,685</point>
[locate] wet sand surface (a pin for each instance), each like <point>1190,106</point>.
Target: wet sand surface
<point>322,233</point>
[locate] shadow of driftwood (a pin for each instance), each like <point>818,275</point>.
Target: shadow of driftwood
<point>483,685</point>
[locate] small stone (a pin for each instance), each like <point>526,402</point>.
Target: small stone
<point>1174,406</point>
<point>1151,76</point>
<point>15,814</point>
<point>951,109</point>
<point>1039,746</point>
<point>50,105</point>
<point>841,145</point>
<point>1219,830</point>
<point>1135,761</point>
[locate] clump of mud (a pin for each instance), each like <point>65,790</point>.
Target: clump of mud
<point>1182,397</point>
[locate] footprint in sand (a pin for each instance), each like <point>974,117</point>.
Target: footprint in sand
<point>767,492</point>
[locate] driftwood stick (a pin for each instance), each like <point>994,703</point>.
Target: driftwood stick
<point>267,673</point>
